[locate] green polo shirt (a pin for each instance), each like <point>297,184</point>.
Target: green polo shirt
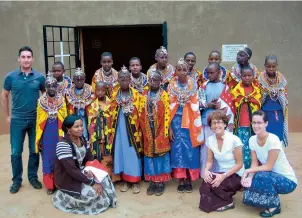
<point>25,92</point>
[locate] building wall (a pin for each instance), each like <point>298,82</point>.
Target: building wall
<point>267,27</point>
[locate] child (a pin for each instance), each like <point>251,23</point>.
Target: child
<point>247,100</point>
<point>213,95</point>
<point>64,82</point>
<point>124,134</point>
<point>79,98</point>
<point>51,112</point>
<point>190,59</point>
<point>162,65</point>
<point>274,100</point>
<point>215,56</point>
<point>106,73</point>
<point>97,123</point>
<point>138,79</point>
<point>185,128</point>
<point>243,58</point>
<point>154,121</point>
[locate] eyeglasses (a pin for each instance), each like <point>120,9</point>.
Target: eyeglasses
<point>216,123</point>
<point>257,123</point>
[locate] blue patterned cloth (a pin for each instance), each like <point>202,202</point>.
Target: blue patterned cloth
<point>49,142</point>
<point>154,166</point>
<point>183,155</point>
<point>244,133</point>
<point>265,189</point>
<point>275,117</point>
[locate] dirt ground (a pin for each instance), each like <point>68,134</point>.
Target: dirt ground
<point>29,202</point>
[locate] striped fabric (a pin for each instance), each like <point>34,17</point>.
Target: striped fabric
<point>63,150</point>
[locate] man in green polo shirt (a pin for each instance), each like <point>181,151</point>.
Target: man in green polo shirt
<point>25,85</point>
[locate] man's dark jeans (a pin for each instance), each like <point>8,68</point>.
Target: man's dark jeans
<point>18,130</point>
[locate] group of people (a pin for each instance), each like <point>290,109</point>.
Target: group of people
<point>227,127</point>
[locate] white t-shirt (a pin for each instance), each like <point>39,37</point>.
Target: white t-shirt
<point>226,158</point>
<point>282,165</point>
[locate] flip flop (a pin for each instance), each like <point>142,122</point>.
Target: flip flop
<point>226,208</point>
<point>270,213</point>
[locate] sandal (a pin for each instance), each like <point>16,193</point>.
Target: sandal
<point>50,191</point>
<point>270,213</point>
<point>225,208</point>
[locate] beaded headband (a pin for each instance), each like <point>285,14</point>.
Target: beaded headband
<point>124,71</point>
<point>153,73</point>
<point>161,49</point>
<point>181,62</point>
<point>50,79</point>
<point>243,50</point>
<point>78,72</point>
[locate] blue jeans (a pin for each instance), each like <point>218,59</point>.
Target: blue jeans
<point>18,130</point>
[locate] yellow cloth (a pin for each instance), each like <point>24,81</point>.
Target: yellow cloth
<point>254,98</point>
<point>42,117</point>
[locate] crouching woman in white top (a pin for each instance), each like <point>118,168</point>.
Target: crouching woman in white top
<point>218,188</point>
<point>275,176</point>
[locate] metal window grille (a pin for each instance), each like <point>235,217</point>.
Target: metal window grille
<point>61,44</point>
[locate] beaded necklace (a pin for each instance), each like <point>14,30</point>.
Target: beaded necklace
<point>166,73</point>
<point>183,93</point>
<point>138,83</point>
<point>62,86</point>
<point>236,71</point>
<point>152,103</point>
<point>79,101</point>
<point>194,74</point>
<point>272,86</point>
<point>51,105</point>
<point>109,80</point>
<point>126,102</point>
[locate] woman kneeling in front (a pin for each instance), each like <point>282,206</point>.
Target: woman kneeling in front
<point>78,192</point>
<point>275,175</point>
<point>218,188</point>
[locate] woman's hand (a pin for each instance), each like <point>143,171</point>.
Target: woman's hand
<point>211,105</point>
<point>98,188</point>
<point>218,180</point>
<point>217,105</point>
<point>89,174</point>
<point>246,179</point>
<point>244,176</point>
<point>171,134</point>
<point>214,105</point>
<point>247,182</point>
<point>208,177</point>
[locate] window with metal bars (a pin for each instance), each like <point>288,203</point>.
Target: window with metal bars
<point>61,44</point>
